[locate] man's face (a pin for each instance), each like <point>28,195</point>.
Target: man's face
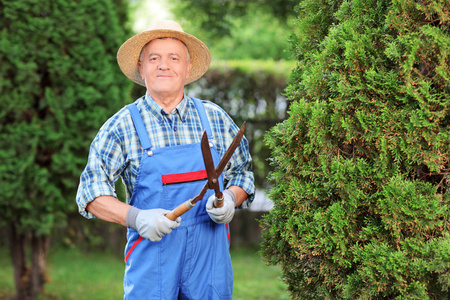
<point>165,68</point>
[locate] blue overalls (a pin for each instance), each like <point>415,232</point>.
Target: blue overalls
<point>193,261</point>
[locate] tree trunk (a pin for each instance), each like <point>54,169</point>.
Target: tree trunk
<point>18,255</point>
<point>29,283</point>
<point>39,248</point>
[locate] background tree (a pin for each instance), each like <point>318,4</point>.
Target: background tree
<point>217,17</point>
<point>361,186</point>
<point>60,81</point>
<point>239,29</point>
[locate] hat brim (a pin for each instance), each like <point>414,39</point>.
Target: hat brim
<point>129,52</point>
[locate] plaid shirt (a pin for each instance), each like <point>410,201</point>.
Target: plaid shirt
<point>116,150</point>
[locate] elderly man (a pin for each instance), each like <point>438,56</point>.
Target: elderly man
<point>155,138</point>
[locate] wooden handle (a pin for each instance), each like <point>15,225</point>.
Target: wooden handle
<point>179,210</point>
<point>218,202</point>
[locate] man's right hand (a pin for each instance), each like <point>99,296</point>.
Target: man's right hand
<point>151,223</point>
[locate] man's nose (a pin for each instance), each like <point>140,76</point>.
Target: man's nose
<point>164,63</point>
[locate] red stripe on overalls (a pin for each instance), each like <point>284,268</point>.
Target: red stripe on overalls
<point>184,177</point>
<point>132,247</point>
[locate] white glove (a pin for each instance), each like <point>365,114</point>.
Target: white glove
<point>224,214</point>
<point>151,224</point>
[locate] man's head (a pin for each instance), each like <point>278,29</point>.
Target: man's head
<point>165,67</point>
<point>130,51</point>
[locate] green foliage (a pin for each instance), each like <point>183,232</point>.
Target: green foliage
<point>257,35</point>
<point>238,30</point>
<point>217,17</point>
<point>60,81</point>
<point>314,18</point>
<point>361,180</point>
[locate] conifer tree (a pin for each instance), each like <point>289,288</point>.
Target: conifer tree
<point>361,188</point>
<point>59,82</point>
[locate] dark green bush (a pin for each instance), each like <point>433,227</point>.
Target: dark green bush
<point>59,83</point>
<point>361,181</point>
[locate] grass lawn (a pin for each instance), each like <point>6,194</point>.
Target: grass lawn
<point>98,276</point>
<point>253,279</point>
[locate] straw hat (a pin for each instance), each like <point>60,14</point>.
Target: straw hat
<point>129,52</point>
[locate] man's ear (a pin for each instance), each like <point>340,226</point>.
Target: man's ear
<point>188,73</point>
<point>140,69</point>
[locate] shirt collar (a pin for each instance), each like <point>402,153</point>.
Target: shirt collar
<point>155,109</point>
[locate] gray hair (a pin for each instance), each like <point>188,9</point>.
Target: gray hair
<point>163,38</point>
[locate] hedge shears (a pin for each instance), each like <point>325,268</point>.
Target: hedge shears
<point>212,174</point>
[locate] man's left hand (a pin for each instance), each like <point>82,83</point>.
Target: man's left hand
<point>224,214</point>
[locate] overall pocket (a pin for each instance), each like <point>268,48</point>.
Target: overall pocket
<point>180,187</point>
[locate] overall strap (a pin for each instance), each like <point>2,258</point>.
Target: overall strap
<point>203,118</point>
<point>140,127</point>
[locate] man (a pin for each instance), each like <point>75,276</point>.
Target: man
<point>153,144</point>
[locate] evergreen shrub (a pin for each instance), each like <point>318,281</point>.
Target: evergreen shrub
<point>59,83</point>
<point>361,180</point>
